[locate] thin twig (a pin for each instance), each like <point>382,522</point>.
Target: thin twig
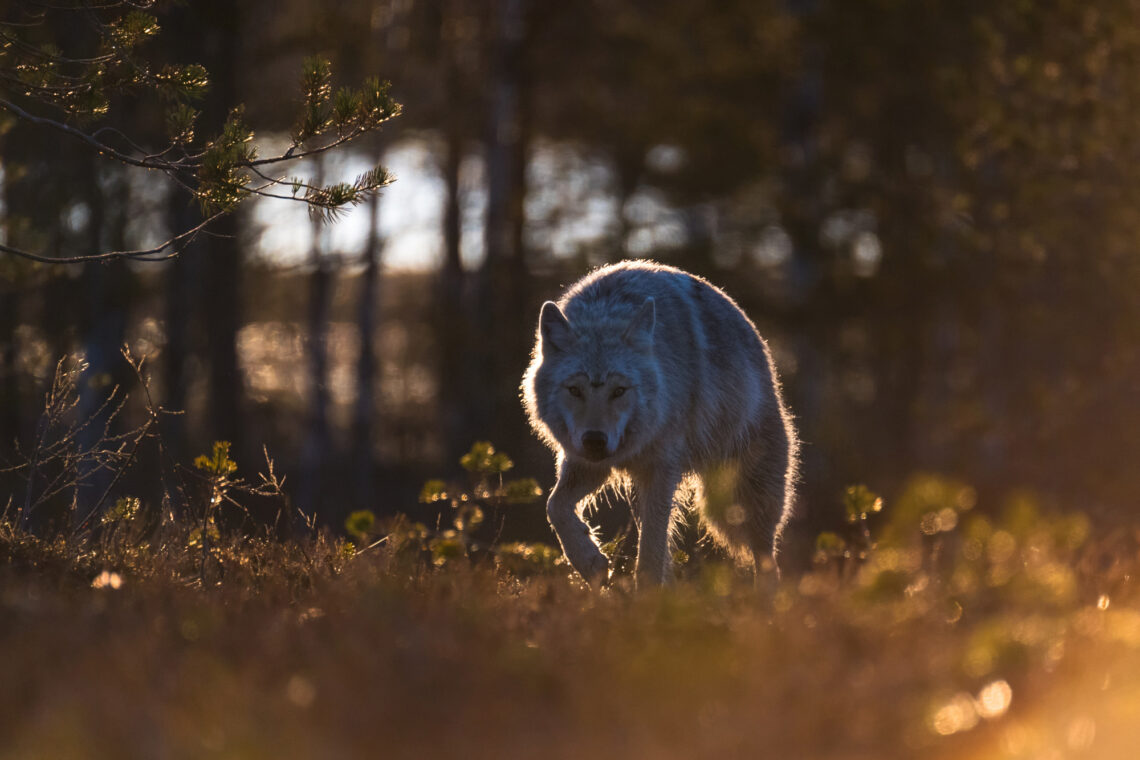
<point>148,254</point>
<point>82,136</point>
<point>118,474</point>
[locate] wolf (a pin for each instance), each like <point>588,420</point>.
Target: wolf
<point>645,374</point>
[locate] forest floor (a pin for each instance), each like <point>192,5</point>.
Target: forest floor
<point>1015,636</point>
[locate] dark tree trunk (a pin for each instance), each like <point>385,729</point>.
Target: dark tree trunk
<point>203,285</point>
<point>502,284</point>
<point>221,310</point>
<point>9,379</point>
<point>364,415</point>
<point>316,448</point>
<point>10,304</point>
<point>221,305</point>
<point>452,326</point>
<point>107,302</point>
<point>183,279</point>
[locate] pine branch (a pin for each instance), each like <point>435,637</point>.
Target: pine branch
<point>220,174</point>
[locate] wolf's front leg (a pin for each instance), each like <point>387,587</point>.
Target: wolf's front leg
<point>655,505</point>
<point>575,483</point>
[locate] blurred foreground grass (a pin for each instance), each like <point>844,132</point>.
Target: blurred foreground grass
<point>957,636</point>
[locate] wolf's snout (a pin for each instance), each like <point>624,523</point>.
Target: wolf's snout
<point>594,444</point>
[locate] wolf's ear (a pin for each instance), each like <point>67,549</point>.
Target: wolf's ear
<point>639,334</point>
<point>556,332</point>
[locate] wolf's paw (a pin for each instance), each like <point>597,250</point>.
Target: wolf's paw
<point>594,568</point>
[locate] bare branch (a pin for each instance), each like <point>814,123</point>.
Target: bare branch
<point>147,254</point>
<point>67,129</point>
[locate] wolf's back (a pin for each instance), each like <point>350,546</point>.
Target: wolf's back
<point>715,367</point>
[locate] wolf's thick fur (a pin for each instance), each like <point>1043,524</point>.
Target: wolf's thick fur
<point>647,372</point>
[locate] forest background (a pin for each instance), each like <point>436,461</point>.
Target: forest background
<point>266,528</point>
<point>927,207</point>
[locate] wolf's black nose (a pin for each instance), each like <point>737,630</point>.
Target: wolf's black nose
<point>594,444</point>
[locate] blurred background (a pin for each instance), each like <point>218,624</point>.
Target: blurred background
<point>926,206</point>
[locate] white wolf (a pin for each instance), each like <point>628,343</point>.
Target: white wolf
<point>646,373</point>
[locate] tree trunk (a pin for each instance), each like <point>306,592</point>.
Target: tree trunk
<point>452,326</point>
<point>221,296</point>
<point>183,278</point>
<point>315,452</point>
<point>221,306</point>
<point>106,304</point>
<point>203,285</point>
<point>364,415</point>
<point>502,282</point>
<point>9,379</point>
<point>10,305</point>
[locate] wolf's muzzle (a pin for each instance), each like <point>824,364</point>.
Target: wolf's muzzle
<point>594,444</point>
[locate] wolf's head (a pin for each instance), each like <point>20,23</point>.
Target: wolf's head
<point>592,386</point>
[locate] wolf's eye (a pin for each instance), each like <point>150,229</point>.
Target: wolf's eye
<point>575,391</point>
<point>618,391</point>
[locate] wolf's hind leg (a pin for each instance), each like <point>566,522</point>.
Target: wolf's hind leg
<point>763,492</point>
<point>575,483</point>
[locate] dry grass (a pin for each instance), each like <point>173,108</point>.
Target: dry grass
<point>996,639</point>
